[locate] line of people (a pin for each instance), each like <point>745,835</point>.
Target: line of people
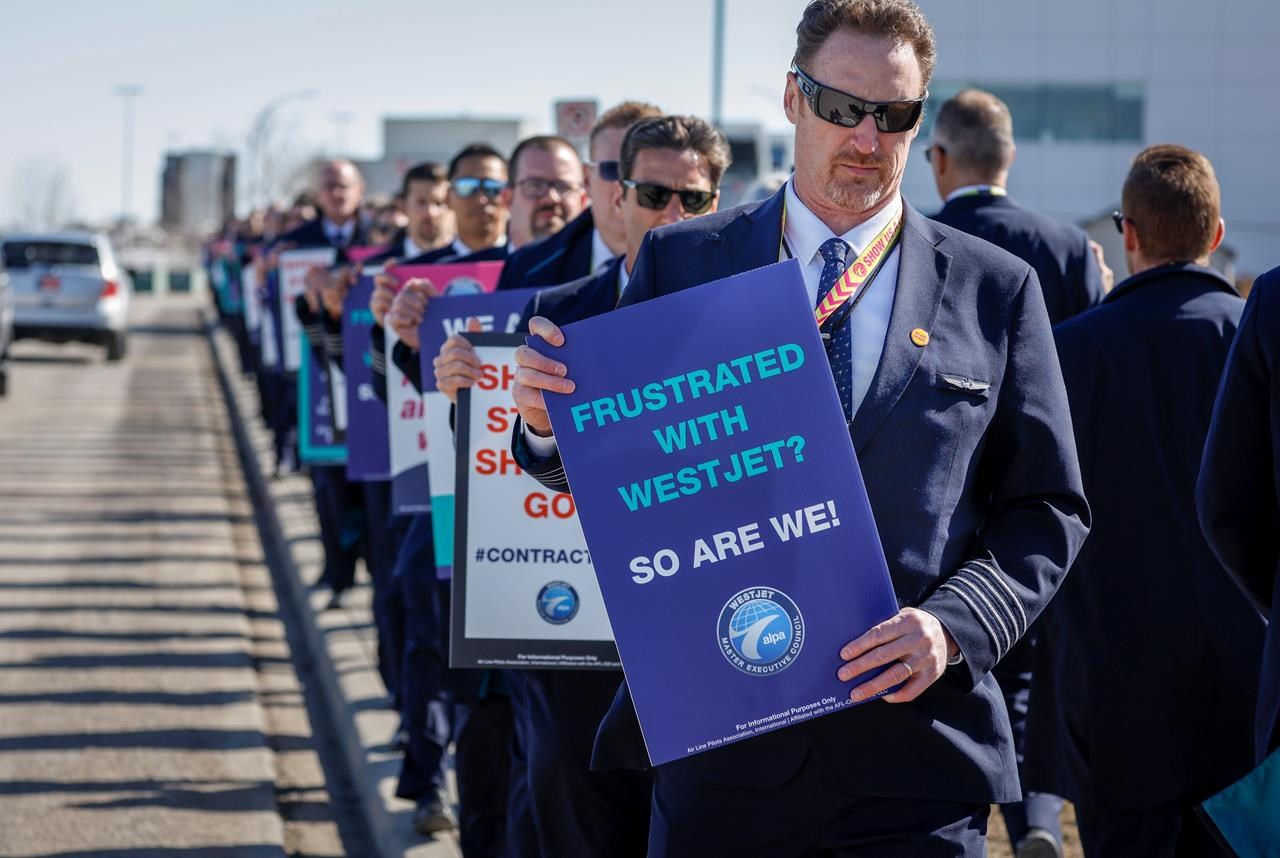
<point>1124,671</point>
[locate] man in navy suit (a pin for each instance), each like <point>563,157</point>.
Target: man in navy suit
<point>592,239</point>
<point>971,154</point>
<point>1147,668</point>
<point>947,370</point>
<point>339,504</point>
<point>1238,494</point>
<point>663,161</point>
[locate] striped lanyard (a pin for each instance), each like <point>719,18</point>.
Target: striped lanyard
<point>848,290</point>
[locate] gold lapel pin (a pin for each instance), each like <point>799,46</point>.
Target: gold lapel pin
<point>920,337</point>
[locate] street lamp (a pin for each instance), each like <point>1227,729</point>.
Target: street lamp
<point>717,65</point>
<point>127,93</point>
<point>259,138</point>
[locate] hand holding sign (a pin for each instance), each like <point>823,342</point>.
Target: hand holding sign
<point>457,365</point>
<point>535,373</point>
<point>385,287</point>
<point>914,642</point>
<point>409,308</point>
<point>334,289</point>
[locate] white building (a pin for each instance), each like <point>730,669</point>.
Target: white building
<point>1092,82</point>
<point>197,191</point>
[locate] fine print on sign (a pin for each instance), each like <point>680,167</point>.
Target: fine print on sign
<point>524,592</point>
<point>719,493</point>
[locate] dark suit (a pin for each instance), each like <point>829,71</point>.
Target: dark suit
<point>1060,254</point>
<point>339,504</point>
<point>1147,668</point>
<point>1238,494</point>
<point>983,550</point>
<point>577,811</point>
<point>1072,283</point>
<point>558,259</point>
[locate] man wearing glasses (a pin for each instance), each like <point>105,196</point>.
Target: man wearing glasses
<point>1148,660</point>
<point>670,169</point>
<point>947,372</point>
<point>593,238</point>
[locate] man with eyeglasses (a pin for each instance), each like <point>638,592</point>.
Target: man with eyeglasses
<point>1148,660</point>
<point>670,170</point>
<point>971,155</point>
<point>593,238</point>
<point>947,373</point>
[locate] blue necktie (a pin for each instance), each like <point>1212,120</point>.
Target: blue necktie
<point>839,352</point>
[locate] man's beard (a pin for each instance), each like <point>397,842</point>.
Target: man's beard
<point>856,196</point>
<point>551,225</point>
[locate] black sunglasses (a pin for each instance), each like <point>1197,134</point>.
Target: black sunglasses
<point>656,197</point>
<point>928,151</point>
<point>468,186</point>
<point>608,170</point>
<point>1118,218</point>
<point>841,108</point>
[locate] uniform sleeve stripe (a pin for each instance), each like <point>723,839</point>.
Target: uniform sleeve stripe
<point>974,608</point>
<point>999,579</point>
<point>992,613</point>
<point>996,594</point>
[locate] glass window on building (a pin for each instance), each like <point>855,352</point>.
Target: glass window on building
<point>1059,113</point>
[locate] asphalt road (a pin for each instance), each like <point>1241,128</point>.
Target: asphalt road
<point>149,703</point>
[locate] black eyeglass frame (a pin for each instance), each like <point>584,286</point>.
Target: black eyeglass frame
<point>688,205</point>
<point>1118,218</point>
<point>877,110</point>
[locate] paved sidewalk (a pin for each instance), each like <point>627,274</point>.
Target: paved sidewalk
<point>364,722</point>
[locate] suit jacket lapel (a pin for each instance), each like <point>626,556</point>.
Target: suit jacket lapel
<point>753,239</point>
<point>922,281</point>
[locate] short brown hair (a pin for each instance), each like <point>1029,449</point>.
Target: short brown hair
<point>1171,198</point>
<point>541,142</point>
<point>427,171</point>
<point>679,133</point>
<point>622,116</point>
<point>898,20</point>
<point>978,131</point>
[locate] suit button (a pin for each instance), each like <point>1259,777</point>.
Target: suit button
<point>920,337</point>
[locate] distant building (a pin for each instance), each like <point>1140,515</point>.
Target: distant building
<point>197,191</point>
<point>1093,82</point>
<point>409,140</point>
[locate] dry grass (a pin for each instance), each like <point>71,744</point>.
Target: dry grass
<point>998,840</point>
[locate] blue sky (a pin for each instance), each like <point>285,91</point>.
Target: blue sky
<point>207,68</point>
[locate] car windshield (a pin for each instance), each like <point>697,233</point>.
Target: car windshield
<point>24,254</point>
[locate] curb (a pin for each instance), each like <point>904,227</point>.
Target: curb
<point>295,608</point>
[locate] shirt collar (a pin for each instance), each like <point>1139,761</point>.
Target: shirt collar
<point>600,252</point>
<point>342,233</point>
<point>411,249</point>
<point>461,249</point>
<point>623,277</point>
<point>976,191</point>
<point>806,233</point>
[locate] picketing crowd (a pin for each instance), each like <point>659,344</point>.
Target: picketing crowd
<point>1075,481</point>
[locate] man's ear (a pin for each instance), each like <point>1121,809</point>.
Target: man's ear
<point>1131,242</point>
<point>1219,235</point>
<point>792,100</point>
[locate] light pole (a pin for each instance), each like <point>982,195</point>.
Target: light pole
<point>127,93</point>
<point>258,145</point>
<point>717,65</point>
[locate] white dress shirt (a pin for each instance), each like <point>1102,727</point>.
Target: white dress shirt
<point>461,249</point>
<point>411,249</point>
<point>339,236</point>
<point>976,190</point>
<point>869,321</point>
<point>601,255</point>
<point>803,236</point>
